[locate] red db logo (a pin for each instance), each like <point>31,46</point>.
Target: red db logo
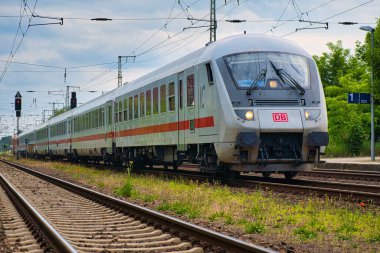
<point>280,117</point>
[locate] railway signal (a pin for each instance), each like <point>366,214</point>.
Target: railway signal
<point>18,104</point>
<point>18,115</point>
<point>73,101</point>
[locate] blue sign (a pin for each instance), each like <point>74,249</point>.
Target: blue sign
<point>365,98</point>
<point>359,98</point>
<point>353,98</point>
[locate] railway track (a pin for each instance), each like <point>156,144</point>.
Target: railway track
<point>90,221</point>
<point>24,228</point>
<point>349,191</point>
<point>344,174</point>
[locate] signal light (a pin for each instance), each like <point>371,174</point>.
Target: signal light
<point>18,104</point>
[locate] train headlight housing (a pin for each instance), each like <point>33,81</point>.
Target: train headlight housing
<point>245,114</point>
<point>312,114</point>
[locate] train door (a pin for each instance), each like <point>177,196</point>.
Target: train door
<point>181,113</point>
<point>191,104</point>
<point>110,126</point>
<point>208,101</point>
<point>70,130</point>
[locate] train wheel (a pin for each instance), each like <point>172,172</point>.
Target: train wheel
<point>290,174</point>
<point>266,174</point>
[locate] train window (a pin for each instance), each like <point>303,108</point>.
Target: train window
<point>116,111</point>
<point>136,106</point>
<point>125,102</point>
<point>130,107</point>
<point>209,74</point>
<point>163,98</point>
<point>91,120</point>
<point>190,90</point>
<point>95,117</point>
<point>155,100</point>
<point>88,120</point>
<point>180,94</point>
<point>99,112</point>
<point>120,111</point>
<point>102,117</point>
<point>110,115</point>
<point>148,103</point>
<point>171,97</point>
<point>142,104</point>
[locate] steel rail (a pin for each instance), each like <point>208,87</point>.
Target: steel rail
<point>326,189</point>
<point>225,242</point>
<point>56,243</point>
<point>363,175</point>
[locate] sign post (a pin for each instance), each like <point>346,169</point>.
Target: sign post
<point>18,114</point>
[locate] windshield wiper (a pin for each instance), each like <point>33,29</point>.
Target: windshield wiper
<point>255,83</point>
<point>287,79</point>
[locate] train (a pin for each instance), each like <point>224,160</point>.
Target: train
<point>245,103</point>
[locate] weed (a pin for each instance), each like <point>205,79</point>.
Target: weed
<point>254,228</point>
<point>126,189</point>
<point>305,233</point>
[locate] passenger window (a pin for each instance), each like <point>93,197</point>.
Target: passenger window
<point>155,100</point>
<point>190,90</point>
<point>180,94</point>
<point>163,98</point>
<point>99,117</point>
<point>130,107</point>
<point>102,118</point>
<point>110,115</point>
<point>142,104</point>
<point>171,97</point>
<point>136,106</point>
<point>116,112</point>
<point>125,109</point>
<point>120,111</point>
<point>209,74</point>
<point>148,103</point>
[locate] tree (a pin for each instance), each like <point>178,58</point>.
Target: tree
<point>376,56</point>
<point>333,65</point>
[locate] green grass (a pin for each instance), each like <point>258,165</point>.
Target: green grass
<point>307,220</point>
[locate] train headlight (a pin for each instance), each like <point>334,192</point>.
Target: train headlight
<point>312,114</point>
<point>245,114</point>
<point>273,84</point>
<point>249,115</point>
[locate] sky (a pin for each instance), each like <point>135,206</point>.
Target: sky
<point>41,40</point>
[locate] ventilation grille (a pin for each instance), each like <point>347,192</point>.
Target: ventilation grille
<point>277,102</point>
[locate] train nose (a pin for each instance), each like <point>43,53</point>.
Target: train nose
<point>280,120</point>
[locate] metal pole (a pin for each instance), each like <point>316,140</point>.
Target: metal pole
<point>17,141</point>
<point>119,74</point>
<point>372,104</point>
<point>212,21</point>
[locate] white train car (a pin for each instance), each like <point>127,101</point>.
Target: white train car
<point>244,103</point>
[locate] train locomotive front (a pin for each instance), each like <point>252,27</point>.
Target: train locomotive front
<point>275,120</point>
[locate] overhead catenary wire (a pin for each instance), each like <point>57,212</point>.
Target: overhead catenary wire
<point>14,49</point>
<point>296,17</point>
<point>335,15</point>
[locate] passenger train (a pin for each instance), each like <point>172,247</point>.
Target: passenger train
<point>246,103</point>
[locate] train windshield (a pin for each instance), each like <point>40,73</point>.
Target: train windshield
<point>269,71</point>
